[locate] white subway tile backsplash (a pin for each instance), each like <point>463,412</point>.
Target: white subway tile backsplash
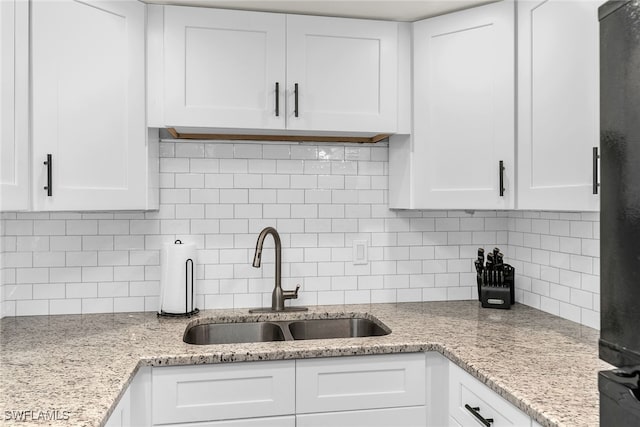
<point>569,311</point>
<point>128,242</point>
<point>48,259</point>
<point>65,306</point>
<point>32,307</point>
<point>81,227</point>
<point>550,305</point>
<point>49,227</point>
<point>32,275</point>
<point>560,228</point>
<point>97,305</point>
<point>128,304</point>
<point>48,290</point>
<point>566,283</point>
<point>189,180</point>
<point>18,292</point>
<point>174,165</point>
<point>97,274</point>
<point>321,198</point>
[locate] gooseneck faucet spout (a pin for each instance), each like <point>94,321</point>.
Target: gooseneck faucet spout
<point>278,296</point>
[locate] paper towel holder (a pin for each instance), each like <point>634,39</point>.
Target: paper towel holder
<point>186,313</point>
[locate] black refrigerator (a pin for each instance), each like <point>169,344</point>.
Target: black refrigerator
<point>620,212</point>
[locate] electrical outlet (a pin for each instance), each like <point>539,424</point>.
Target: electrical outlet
<point>360,252</point>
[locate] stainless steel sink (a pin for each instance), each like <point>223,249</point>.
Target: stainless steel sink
<point>303,329</point>
<point>335,328</point>
<point>228,333</point>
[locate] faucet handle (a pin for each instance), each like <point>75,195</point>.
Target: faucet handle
<point>291,294</point>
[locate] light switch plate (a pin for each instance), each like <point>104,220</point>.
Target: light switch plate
<point>360,252</point>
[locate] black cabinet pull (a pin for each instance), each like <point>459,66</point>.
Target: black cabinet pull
<point>596,184</point>
<point>295,96</point>
<point>501,175</point>
<point>277,99</point>
<point>49,186</point>
<point>474,411</point>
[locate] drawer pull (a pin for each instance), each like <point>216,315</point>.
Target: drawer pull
<point>295,96</point>
<point>475,412</point>
<point>49,186</point>
<point>596,184</point>
<point>277,99</point>
<point>501,176</point>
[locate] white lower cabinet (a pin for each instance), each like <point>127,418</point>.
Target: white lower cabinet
<point>397,417</point>
<point>121,415</point>
<point>360,382</point>
<point>183,394</point>
<point>399,390</point>
<point>471,403</point>
<point>288,421</point>
<point>385,390</point>
<point>134,407</point>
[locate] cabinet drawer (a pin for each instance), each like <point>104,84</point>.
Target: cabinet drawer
<point>289,421</point>
<point>394,417</point>
<point>466,390</point>
<point>219,392</point>
<point>361,382</point>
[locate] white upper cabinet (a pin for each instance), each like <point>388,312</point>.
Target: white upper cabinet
<point>224,68</point>
<point>558,104</point>
<point>14,107</point>
<point>249,70</point>
<point>341,74</point>
<point>464,110</point>
<point>88,105</point>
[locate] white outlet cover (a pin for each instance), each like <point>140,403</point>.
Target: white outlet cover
<point>360,252</point>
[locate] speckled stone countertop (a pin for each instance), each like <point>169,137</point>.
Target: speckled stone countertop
<point>544,365</point>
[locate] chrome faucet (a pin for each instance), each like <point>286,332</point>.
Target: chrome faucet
<point>278,296</point>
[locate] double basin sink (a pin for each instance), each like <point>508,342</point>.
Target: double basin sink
<point>288,330</point>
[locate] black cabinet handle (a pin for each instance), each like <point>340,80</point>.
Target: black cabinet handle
<point>277,99</point>
<point>295,96</point>
<point>474,411</point>
<point>501,175</point>
<point>596,184</point>
<point>49,186</point>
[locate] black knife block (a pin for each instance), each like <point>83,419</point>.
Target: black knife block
<point>494,294</point>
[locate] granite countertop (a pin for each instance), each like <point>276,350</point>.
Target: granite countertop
<point>544,365</point>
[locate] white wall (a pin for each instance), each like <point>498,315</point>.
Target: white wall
<point>320,198</point>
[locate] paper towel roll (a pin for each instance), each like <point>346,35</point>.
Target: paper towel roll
<point>176,278</point>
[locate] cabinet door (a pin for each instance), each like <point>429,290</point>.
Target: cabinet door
<point>134,406</point>
<point>558,103</point>
<point>288,421</point>
<point>121,415</point>
<point>220,392</point>
<point>414,416</point>
<point>14,109</point>
<point>88,110</point>
<point>464,109</point>
<point>467,394</point>
<point>222,68</point>
<point>361,382</point>
<point>346,74</point>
